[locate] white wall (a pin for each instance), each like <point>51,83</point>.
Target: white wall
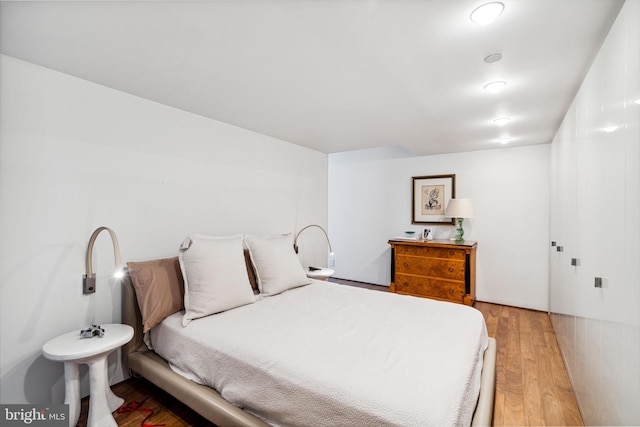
<point>595,217</point>
<point>75,156</point>
<point>370,202</point>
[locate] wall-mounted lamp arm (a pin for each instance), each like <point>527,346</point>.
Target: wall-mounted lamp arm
<point>89,279</point>
<point>295,242</point>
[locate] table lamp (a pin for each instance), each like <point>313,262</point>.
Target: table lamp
<point>459,209</point>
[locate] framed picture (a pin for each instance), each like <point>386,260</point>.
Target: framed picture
<point>431,194</point>
<point>427,233</point>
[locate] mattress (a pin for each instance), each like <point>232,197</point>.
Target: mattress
<point>334,355</point>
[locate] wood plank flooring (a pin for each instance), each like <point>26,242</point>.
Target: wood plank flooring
<point>155,407</point>
<point>532,385</point>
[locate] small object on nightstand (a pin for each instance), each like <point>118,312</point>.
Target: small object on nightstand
<point>73,349</point>
<point>319,273</point>
<point>93,331</point>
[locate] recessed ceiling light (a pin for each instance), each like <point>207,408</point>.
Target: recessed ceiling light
<point>501,121</point>
<point>487,13</point>
<point>495,87</point>
<point>494,57</point>
<point>504,140</point>
<point>637,101</point>
<point>609,129</point>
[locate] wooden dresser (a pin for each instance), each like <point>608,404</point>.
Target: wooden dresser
<point>439,269</point>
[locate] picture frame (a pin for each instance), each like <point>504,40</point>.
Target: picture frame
<point>427,233</point>
<point>430,196</point>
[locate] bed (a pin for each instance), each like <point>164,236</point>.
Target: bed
<point>286,344</point>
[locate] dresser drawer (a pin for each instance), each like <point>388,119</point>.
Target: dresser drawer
<point>421,251</point>
<point>444,268</point>
<point>428,287</point>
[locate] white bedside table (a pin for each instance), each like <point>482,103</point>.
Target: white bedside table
<point>322,274</point>
<point>73,351</point>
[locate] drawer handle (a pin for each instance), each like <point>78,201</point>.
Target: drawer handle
<point>405,284</point>
<point>450,290</point>
<point>406,265</point>
<point>450,269</point>
<point>451,252</point>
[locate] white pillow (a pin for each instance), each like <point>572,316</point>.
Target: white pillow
<point>276,264</point>
<point>215,275</point>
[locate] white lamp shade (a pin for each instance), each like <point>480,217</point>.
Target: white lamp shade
<point>459,208</point>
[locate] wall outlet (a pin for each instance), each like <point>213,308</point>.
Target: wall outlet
<point>332,262</point>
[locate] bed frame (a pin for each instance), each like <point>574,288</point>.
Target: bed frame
<point>208,403</point>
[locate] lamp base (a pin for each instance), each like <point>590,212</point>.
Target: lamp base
<point>459,231</point>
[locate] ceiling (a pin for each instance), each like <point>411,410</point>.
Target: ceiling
<point>332,75</point>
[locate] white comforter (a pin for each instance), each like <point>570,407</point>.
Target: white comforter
<point>334,355</point>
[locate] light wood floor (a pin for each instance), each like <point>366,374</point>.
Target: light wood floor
<point>155,407</point>
<point>532,386</point>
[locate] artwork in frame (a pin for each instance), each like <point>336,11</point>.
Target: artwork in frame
<point>427,233</point>
<point>431,194</point>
